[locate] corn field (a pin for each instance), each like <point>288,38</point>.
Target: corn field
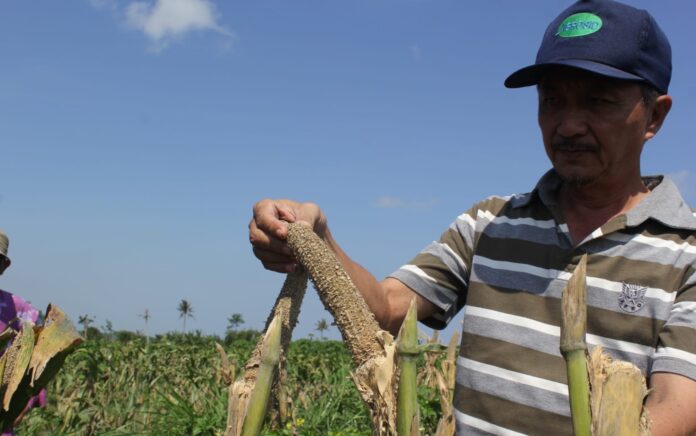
<point>173,386</point>
<point>188,384</point>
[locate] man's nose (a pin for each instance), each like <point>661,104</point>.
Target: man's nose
<point>572,122</point>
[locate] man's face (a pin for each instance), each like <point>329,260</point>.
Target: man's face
<point>593,127</point>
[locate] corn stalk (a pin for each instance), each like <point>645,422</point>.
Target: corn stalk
<point>574,349</point>
<point>371,348</point>
<point>287,310</point>
<point>407,419</point>
<point>606,396</point>
<point>270,357</point>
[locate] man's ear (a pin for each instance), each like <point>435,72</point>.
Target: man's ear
<point>659,112</point>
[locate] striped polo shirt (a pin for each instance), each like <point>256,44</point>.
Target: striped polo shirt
<point>506,261</point>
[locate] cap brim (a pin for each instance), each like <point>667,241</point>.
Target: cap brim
<point>532,74</point>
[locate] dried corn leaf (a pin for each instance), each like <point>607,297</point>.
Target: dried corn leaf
<point>227,370</point>
<point>3,361</point>
<point>376,381</point>
<point>56,339</point>
<point>445,426</point>
<point>18,358</point>
<point>384,373</point>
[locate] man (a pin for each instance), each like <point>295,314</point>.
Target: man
<point>13,310</point>
<point>602,72</point>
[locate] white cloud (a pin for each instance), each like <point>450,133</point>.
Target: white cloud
<point>386,202</point>
<point>165,20</point>
<point>170,19</point>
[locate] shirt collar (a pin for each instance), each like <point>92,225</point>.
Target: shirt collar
<point>664,203</point>
<point>545,191</point>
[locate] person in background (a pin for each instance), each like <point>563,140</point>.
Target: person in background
<point>13,310</point>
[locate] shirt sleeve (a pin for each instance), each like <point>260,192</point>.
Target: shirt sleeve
<point>676,349</point>
<point>440,272</point>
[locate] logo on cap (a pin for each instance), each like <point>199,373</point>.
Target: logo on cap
<point>580,24</point>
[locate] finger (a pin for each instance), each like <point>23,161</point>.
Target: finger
<point>260,239</point>
<point>286,213</point>
<point>272,256</point>
<point>270,217</point>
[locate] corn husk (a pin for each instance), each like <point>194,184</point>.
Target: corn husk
<point>618,392</point>
<point>287,310</point>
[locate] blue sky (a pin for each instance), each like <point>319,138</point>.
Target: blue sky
<point>136,135</point>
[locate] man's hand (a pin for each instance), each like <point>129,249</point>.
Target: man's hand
<point>671,404</point>
<point>268,230</point>
<point>268,233</point>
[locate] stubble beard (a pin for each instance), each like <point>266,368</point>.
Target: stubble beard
<point>575,180</point>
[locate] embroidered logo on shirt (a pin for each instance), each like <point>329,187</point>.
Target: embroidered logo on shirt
<point>632,297</point>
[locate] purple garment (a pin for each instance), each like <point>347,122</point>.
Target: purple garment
<point>13,309</point>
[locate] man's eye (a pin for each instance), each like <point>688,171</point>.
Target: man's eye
<point>601,100</point>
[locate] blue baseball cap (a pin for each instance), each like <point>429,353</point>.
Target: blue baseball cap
<point>603,37</point>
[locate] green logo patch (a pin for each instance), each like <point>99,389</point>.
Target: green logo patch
<point>580,24</point>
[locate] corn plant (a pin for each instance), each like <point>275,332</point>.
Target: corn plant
<point>408,422</point>
<point>606,396</point>
<point>285,313</point>
<point>574,349</point>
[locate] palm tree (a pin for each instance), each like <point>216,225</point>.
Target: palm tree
<point>234,321</point>
<point>322,325</point>
<point>146,316</point>
<point>185,311</point>
<point>85,320</point>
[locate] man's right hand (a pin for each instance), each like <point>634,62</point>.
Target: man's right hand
<point>268,230</point>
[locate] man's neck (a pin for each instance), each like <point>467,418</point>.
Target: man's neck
<point>588,207</point>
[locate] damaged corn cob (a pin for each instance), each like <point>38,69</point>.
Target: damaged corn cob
<point>371,348</point>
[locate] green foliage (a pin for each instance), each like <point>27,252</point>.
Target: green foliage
<point>248,335</point>
<point>173,386</point>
